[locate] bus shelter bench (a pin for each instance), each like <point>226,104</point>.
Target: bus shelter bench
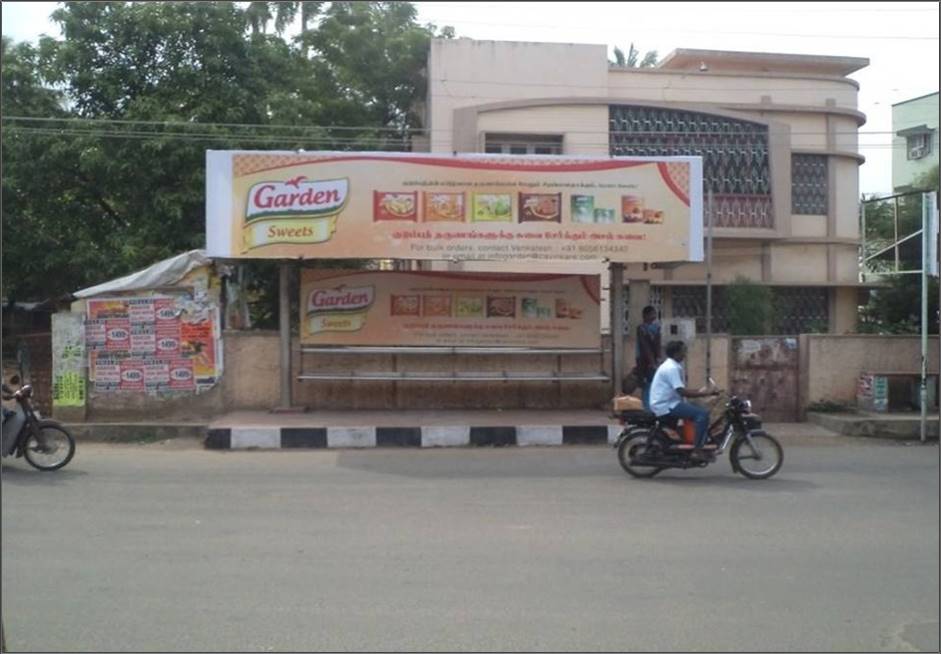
<point>556,375</point>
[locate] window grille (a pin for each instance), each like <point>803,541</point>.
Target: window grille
<point>736,161</point>
<point>523,144</point>
<point>809,184</point>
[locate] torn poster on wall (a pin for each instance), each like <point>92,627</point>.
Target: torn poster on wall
<point>153,344</point>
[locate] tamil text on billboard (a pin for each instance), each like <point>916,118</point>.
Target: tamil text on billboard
<point>449,309</point>
<point>463,207</point>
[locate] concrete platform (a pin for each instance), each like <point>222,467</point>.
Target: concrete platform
<point>900,426</point>
<point>340,429</point>
<point>359,429</point>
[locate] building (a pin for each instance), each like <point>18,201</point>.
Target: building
<point>778,134</point>
<point>914,140</point>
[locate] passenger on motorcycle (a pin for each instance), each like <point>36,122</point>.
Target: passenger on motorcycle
<point>668,392</point>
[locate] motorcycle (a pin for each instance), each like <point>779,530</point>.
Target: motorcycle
<point>46,444</point>
<point>648,445</point>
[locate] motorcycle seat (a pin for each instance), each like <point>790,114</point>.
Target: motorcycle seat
<point>638,417</point>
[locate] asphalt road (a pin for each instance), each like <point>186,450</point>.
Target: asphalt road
<point>159,547</point>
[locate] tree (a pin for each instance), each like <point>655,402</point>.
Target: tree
<point>146,88</point>
<point>631,60</point>
<point>374,55</point>
<point>749,306</point>
<point>897,308</point>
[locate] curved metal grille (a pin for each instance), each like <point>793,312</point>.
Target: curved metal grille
<point>736,162</point>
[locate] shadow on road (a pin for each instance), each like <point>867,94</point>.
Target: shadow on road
<point>479,463</point>
<point>26,476</point>
<point>497,463</point>
<point>777,484</point>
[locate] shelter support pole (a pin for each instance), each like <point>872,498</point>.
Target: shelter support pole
<point>284,323</point>
<point>616,289</point>
<point>639,298</point>
<point>709,213</point>
<point>926,236</point>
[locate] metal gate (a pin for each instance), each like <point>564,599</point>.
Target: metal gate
<point>765,370</point>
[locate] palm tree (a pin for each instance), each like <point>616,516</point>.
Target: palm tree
<point>258,14</point>
<point>649,60</point>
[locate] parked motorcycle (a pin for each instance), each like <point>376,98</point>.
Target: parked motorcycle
<point>46,444</point>
<point>648,444</point>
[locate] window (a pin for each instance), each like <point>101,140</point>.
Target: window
<point>809,194</point>
<point>918,145</point>
<point>523,144</point>
<point>797,309</point>
<point>736,160</point>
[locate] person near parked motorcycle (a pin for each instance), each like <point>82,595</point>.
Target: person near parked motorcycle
<point>668,395</point>
<point>647,351</point>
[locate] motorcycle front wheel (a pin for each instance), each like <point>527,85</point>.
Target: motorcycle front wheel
<point>632,448</point>
<point>49,446</point>
<point>758,459</point>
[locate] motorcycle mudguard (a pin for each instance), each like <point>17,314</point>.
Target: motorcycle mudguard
<point>744,436</point>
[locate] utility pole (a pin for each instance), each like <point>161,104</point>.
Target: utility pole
<point>709,208</point>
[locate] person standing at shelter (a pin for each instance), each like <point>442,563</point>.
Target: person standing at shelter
<point>647,352</point>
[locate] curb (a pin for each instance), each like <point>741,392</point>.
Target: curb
<point>240,438</point>
<point>113,432</point>
<point>862,426</point>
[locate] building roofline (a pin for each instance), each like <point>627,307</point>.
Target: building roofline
<point>614,68</point>
<point>920,97</point>
<point>839,65</point>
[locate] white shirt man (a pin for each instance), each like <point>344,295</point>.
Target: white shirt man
<point>664,395</point>
<point>668,392</point>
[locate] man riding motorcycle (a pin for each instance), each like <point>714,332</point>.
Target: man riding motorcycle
<point>668,392</point>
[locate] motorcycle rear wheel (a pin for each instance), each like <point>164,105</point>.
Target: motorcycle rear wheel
<point>49,447</point>
<point>631,448</point>
<point>762,461</point>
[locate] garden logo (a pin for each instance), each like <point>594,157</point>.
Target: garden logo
<point>293,211</point>
<point>338,309</point>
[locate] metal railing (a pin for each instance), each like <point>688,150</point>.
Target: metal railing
<point>555,375</point>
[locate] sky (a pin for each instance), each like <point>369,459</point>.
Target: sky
<point>900,39</point>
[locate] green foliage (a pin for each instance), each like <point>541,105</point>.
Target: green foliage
<point>930,180</point>
<point>827,406</point>
<point>897,308</point>
<point>108,175</point>
<point>749,306</point>
<point>633,60</point>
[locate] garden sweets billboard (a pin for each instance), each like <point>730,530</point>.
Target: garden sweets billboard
<point>449,309</point>
<point>474,207</point>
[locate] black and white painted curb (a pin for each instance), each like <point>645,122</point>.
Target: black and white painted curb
<point>237,438</point>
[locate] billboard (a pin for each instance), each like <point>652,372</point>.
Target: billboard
<point>341,205</point>
<point>381,308</point>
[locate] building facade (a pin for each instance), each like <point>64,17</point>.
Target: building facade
<point>914,140</point>
<point>778,134</point>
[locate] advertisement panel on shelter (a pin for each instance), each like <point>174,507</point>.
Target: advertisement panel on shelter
<point>449,309</point>
<point>472,207</point>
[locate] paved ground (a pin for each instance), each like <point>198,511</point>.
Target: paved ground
<point>173,548</point>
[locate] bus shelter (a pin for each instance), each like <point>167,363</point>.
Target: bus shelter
<point>428,210</point>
